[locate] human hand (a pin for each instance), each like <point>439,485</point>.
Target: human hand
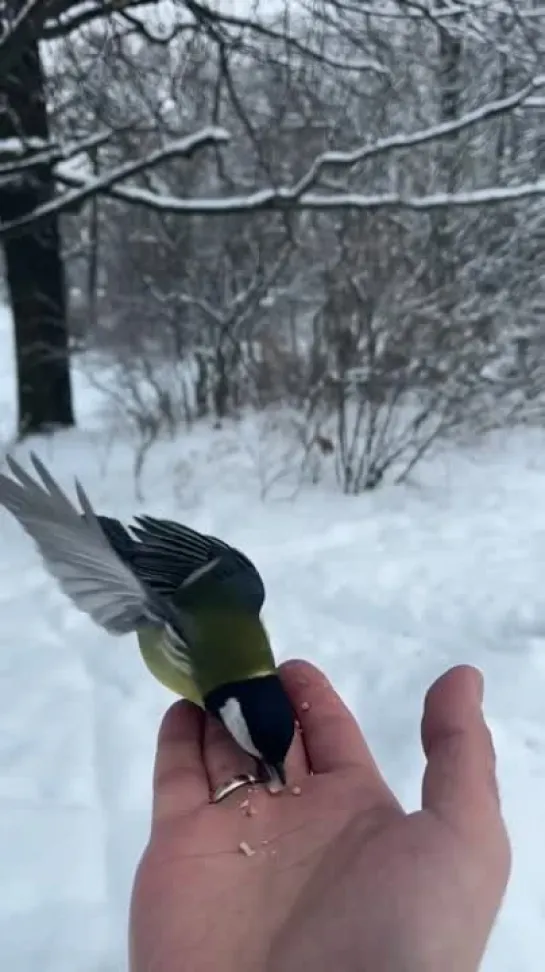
<point>341,877</point>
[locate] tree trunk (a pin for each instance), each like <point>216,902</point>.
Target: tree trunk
<point>221,384</point>
<point>34,267</point>
<point>450,51</point>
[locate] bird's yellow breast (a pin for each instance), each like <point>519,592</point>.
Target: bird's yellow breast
<point>228,647</point>
<point>173,678</point>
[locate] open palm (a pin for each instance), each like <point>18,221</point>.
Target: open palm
<point>331,871</point>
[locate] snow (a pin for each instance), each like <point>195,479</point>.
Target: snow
<point>384,591</point>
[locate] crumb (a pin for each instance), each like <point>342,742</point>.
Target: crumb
<point>250,811</point>
<point>305,706</point>
<point>244,805</point>
<point>245,849</point>
<point>296,790</point>
<point>264,842</point>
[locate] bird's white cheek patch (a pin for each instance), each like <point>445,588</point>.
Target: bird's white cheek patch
<point>235,723</point>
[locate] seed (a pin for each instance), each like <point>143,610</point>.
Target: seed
<point>245,849</point>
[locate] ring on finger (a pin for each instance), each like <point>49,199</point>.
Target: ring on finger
<point>232,785</point>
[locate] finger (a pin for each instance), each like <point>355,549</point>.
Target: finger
<point>296,763</point>
<point>331,735</point>
<point>179,780</point>
<point>460,784</point>
<point>223,759</point>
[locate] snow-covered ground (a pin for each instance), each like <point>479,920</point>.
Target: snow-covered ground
<point>384,591</point>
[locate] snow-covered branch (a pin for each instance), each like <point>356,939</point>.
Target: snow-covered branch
<point>403,140</point>
<point>301,195</point>
<point>285,199</point>
<point>106,183</point>
<point>52,19</point>
<point>81,13</point>
<point>424,10</point>
<point>19,156</point>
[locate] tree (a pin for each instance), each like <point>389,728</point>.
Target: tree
<point>34,266</point>
<point>355,46</point>
<point>290,126</point>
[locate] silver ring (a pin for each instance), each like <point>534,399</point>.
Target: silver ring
<point>225,789</point>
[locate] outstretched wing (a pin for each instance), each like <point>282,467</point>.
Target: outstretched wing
<point>165,554</point>
<point>75,550</point>
<point>173,559</point>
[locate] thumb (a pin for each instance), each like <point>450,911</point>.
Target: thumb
<point>460,785</point>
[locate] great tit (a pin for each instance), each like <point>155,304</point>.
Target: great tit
<point>193,600</point>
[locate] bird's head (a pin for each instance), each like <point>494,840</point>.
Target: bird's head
<point>258,714</point>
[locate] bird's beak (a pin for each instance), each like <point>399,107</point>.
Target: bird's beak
<point>274,776</point>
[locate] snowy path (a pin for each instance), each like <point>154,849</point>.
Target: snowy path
<point>390,590</point>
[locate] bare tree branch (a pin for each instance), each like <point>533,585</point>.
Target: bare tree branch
<point>37,19</point>
<point>217,18</point>
<point>163,40</point>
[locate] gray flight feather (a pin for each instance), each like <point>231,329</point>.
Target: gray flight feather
<point>76,551</point>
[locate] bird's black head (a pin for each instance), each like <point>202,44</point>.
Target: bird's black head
<point>259,716</point>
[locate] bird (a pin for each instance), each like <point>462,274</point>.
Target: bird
<point>193,601</point>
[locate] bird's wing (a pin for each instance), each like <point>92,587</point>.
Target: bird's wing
<point>167,554</point>
<point>169,665</point>
<point>75,550</point>
<point>118,537</point>
<point>173,559</point>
